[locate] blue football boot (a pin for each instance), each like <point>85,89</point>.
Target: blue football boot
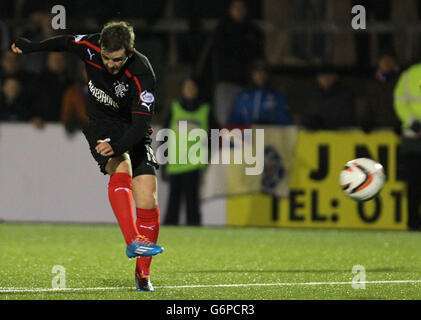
<point>142,247</point>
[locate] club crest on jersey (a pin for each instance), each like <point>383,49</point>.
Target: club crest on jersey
<point>120,89</point>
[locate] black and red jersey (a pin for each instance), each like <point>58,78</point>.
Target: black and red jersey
<point>116,96</point>
<point>127,96</point>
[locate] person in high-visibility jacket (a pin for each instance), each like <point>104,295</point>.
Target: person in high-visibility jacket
<point>407,103</point>
<point>183,174</point>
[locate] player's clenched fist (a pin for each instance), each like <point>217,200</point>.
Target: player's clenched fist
<point>104,148</point>
<point>16,49</point>
<point>21,45</point>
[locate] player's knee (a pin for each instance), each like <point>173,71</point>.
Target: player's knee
<point>145,192</point>
<point>146,198</point>
<point>147,201</point>
<point>119,164</point>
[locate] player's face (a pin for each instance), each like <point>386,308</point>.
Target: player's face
<point>114,61</point>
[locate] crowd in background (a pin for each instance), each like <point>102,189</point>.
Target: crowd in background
<point>234,75</point>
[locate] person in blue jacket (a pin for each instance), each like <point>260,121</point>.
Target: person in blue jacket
<point>260,103</point>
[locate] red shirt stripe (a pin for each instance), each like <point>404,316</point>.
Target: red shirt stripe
<point>97,49</point>
<point>138,112</point>
<point>136,80</point>
<point>95,65</point>
<point>138,85</point>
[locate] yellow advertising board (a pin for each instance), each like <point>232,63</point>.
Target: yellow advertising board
<point>316,200</point>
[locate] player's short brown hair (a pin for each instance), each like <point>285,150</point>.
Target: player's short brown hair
<point>116,35</point>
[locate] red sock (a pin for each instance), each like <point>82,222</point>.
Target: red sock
<point>121,200</point>
<point>147,225</point>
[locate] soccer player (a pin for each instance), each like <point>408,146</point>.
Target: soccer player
<point>120,105</point>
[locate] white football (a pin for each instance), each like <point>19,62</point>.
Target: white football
<point>362,179</point>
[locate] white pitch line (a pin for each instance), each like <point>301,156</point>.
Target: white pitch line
<point>290,284</point>
<point>30,290</point>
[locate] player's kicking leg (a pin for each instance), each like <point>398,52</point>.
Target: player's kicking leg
<point>121,199</point>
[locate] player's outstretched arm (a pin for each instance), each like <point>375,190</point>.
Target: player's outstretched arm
<point>58,43</point>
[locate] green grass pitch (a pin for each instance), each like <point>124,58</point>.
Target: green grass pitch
<point>210,263</point>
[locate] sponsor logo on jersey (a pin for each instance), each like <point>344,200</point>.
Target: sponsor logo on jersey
<point>90,54</point>
<point>101,96</point>
<point>147,106</point>
<point>120,89</point>
<point>147,99</point>
<point>79,37</point>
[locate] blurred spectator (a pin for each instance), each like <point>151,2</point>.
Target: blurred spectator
<point>52,83</point>
<point>7,9</point>
<point>237,42</point>
<point>331,105</point>
<point>379,110</point>
<point>11,65</point>
<point>73,106</point>
<point>151,11</point>
<point>109,9</point>
<point>379,11</point>
<point>39,29</point>
<point>308,47</point>
<point>4,37</point>
<point>260,103</point>
<point>26,8</point>
<point>185,178</point>
<point>12,103</point>
<point>407,97</point>
<point>189,44</point>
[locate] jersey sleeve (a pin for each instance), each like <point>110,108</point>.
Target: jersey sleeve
<point>83,46</point>
<point>143,97</point>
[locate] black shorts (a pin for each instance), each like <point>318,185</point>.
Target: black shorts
<point>141,155</point>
